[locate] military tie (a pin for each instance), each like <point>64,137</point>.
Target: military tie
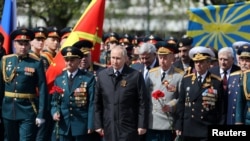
<point>225,80</point>
<point>200,79</point>
<point>163,76</point>
<point>70,80</point>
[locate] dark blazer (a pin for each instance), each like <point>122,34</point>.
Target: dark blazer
<point>76,106</point>
<point>192,118</point>
<point>140,66</point>
<point>121,105</point>
<point>216,70</point>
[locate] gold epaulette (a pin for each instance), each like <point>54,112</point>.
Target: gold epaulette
<point>189,75</point>
<point>99,64</point>
<point>236,73</point>
<point>154,69</point>
<point>9,55</point>
<point>216,77</point>
<point>179,70</point>
<point>34,56</point>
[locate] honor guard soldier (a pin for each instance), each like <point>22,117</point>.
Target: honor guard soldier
<point>64,33</point>
<point>51,45</point>
<point>125,40</point>
<point>243,97</point>
<point>73,97</point>
<point>22,76</point>
<point>200,99</point>
<point>185,63</point>
<point>152,39</point>
<point>2,49</point>
<point>37,43</point>
<point>166,80</point>
<point>86,64</point>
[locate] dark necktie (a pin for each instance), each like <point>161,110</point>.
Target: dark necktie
<point>147,70</point>
<point>225,80</point>
<point>70,80</point>
<point>199,79</point>
<point>117,73</point>
<point>163,76</point>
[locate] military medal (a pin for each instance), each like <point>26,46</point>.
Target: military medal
<point>123,83</point>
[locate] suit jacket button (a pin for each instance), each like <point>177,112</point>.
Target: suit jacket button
<point>192,116</point>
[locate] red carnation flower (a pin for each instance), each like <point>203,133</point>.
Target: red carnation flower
<point>56,89</point>
<point>158,94</point>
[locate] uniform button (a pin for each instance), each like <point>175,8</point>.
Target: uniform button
<point>192,109</point>
<point>201,117</point>
<point>18,67</point>
<point>71,115</point>
<point>70,97</point>
<point>233,115</point>
<point>70,108</point>
<point>192,116</point>
<point>234,99</point>
<point>233,107</point>
<point>193,103</point>
<point>17,74</point>
<point>16,82</point>
<point>70,103</point>
<point>15,91</point>
<point>236,92</point>
<point>202,110</point>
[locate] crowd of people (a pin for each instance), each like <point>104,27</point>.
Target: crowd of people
<point>144,88</point>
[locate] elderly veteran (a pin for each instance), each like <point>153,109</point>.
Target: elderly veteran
<point>200,99</point>
<point>72,100</point>
<point>243,98</point>
<point>22,76</point>
<point>164,79</point>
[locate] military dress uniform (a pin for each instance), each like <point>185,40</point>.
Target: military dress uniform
<point>243,98</point>
<point>234,85</point>
<point>200,101</point>
<point>76,104</point>
<point>23,77</point>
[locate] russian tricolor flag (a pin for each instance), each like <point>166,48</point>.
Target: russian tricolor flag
<point>8,23</point>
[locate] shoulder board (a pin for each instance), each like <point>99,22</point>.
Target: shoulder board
<point>153,69</point>
<point>99,64</point>
<point>236,73</point>
<point>33,56</point>
<point>9,55</point>
<point>179,70</point>
<point>189,75</point>
<point>216,77</point>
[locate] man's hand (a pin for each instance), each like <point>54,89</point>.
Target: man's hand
<point>141,131</point>
<point>178,132</point>
<point>100,131</point>
<point>39,121</point>
<point>56,116</point>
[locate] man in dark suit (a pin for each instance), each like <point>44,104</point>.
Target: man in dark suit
<point>185,63</point>
<point>225,68</point>
<point>121,105</point>
<point>200,100</point>
<point>22,77</point>
<point>148,58</point>
<point>73,108</point>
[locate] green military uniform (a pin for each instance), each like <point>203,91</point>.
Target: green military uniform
<point>22,77</point>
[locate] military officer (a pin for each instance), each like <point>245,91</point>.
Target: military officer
<point>243,97</point>
<point>125,40</point>
<point>166,79</point>
<point>185,63</point>
<point>23,76</point>
<point>200,100</point>
<point>86,64</point>
<point>37,43</point>
<point>72,105</point>
<point>152,39</point>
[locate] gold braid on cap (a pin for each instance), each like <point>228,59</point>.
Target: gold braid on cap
<point>13,73</point>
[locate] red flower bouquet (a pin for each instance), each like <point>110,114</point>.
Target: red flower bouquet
<point>56,89</point>
<point>158,94</point>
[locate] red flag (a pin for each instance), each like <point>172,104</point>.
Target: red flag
<point>8,23</point>
<point>88,27</point>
